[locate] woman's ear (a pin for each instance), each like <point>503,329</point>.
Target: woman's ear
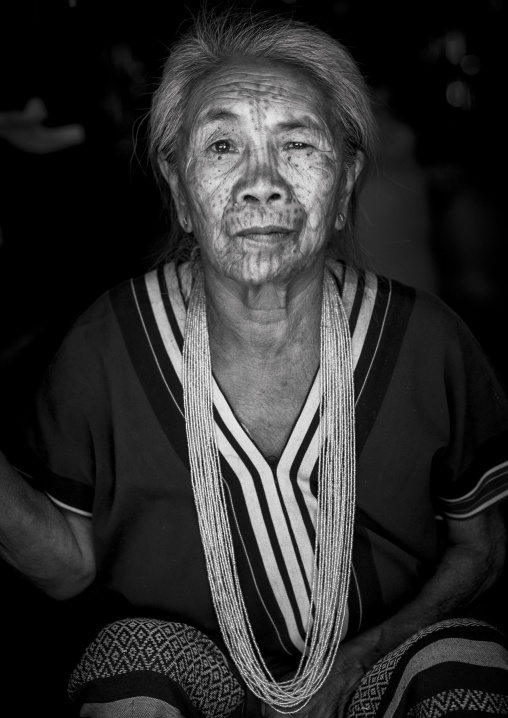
<point>352,174</point>
<point>171,177</point>
<point>164,168</point>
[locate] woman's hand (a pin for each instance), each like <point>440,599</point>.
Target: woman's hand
<point>353,660</point>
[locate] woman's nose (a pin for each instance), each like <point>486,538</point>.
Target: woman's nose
<point>261,183</point>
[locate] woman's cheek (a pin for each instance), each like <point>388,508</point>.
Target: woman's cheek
<point>312,173</point>
<point>208,170</point>
<point>307,187</point>
<point>316,192</point>
<point>204,191</point>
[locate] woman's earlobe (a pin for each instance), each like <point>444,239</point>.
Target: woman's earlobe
<point>340,221</point>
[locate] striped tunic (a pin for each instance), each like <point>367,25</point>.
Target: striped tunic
<point>108,441</point>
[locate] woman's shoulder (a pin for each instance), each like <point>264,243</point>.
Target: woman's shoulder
<point>119,311</point>
<point>435,335</point>
<point>429,312</point>
<point>392,298</point>
<point>432,316</point>
<point>102,314</point>
<point>421,323</point>
<point>96,331</point>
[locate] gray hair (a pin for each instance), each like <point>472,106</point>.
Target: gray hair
<point>215,39</point>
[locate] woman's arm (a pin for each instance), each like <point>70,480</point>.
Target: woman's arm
<point>472,561</point>
<point>50,547</point>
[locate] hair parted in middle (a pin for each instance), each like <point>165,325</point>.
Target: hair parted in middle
<point>219,37</point>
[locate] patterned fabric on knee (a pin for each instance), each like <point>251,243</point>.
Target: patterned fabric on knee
<point>454,666</point>
<point>139,707</point>
<point>171,662</point>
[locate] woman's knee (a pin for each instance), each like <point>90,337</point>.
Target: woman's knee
<point>147,668</point>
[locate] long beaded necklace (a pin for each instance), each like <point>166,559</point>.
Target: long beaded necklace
<point>335,510</point>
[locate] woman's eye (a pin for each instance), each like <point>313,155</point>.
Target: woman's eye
<point>297,146</point>
<point>222,147</point>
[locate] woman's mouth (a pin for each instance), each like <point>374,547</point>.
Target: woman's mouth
<point>268,233</point>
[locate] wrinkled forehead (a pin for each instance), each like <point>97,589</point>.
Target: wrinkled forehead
<point>262,91</point>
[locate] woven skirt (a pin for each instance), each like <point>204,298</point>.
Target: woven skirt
<point>143,668</point>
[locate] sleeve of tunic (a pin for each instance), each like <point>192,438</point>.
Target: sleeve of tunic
<point>70,426</point>
<point>95,446</point>
<point>471,472</point>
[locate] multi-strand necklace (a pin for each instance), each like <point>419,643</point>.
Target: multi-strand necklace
<point>335,504</point>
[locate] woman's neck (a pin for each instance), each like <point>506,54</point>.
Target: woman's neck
<point>265,321</point>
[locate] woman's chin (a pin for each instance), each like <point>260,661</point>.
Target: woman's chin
<point>255,272</point>
<point>259,268</point>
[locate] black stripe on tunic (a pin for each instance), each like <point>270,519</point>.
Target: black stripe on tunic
<point>380,353</point>
<point>243,515</point>
<point>151,362</point>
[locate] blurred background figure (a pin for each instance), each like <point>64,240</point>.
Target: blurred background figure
<point>25,130</point>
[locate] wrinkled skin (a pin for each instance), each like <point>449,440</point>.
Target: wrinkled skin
<point>260,149</point>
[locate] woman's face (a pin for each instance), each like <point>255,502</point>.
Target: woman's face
<point>260,177</point>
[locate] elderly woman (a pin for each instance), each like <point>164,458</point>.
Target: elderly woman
<point>251,443</point>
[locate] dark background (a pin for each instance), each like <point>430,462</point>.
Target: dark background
<point>78,219</point>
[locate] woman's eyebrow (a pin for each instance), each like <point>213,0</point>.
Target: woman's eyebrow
<point>303,123</point>
<point>217,114</point>
<point>222,114</point>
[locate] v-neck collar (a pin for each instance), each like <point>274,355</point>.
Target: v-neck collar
<point>179,283</point>
<point>358,295</point>
<point>300,426</point>
<point>167,293</point>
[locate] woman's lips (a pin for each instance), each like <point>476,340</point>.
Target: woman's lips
<point>267,229</point>
<point>269,233</point>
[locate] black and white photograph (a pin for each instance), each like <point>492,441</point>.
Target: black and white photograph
<point>253,365</point>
